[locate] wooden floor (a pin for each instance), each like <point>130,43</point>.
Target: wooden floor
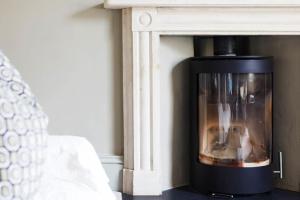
<point>185,193</point>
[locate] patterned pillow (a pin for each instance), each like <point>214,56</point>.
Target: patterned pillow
<point>22,136</point>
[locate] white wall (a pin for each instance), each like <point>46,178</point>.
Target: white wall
<point>70,54</point>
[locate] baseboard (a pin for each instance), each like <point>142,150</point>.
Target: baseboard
<point>111,159</point>
<point>113,165</point>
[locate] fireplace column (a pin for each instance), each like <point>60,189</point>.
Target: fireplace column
<point>141,103</point>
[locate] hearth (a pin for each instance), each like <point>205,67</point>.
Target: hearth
<point>232,120</point>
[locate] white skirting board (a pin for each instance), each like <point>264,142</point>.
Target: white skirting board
<point>113,165</point>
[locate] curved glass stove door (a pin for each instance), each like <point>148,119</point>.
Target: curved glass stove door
<point>235,119</point>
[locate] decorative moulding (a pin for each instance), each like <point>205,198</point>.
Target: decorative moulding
<point>117,4</point>
<point>143,23</point>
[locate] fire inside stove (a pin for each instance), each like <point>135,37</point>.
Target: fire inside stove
<point>235,119</point>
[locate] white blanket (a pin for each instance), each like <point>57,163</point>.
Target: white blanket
<point>73,172</point>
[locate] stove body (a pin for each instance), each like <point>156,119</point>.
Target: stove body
<point>231,135</point>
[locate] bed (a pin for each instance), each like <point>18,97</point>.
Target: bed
<point>73,172</point>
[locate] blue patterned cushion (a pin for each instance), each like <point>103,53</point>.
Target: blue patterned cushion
<point>23,133</point>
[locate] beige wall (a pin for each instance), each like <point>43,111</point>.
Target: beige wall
<point>285,50</point>
<point>174,110</point>
<point>70,54</point>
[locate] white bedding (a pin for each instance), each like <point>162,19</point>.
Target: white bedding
<point>73,172</point>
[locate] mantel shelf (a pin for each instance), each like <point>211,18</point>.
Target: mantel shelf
<point>120,4</point>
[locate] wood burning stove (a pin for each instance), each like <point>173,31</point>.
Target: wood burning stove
<point>231,121</point>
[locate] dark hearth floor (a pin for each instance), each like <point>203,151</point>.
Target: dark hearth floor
<point>184,193</point>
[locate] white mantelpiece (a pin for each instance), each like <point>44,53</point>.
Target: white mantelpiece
<point>144,21</point>
<point>119,4</point>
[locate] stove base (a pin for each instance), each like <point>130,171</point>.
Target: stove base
<point>231,180</point>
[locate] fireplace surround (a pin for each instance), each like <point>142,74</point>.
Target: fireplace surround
<point>143,24</point>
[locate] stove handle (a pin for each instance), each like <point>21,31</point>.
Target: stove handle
<point>280,171</point>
